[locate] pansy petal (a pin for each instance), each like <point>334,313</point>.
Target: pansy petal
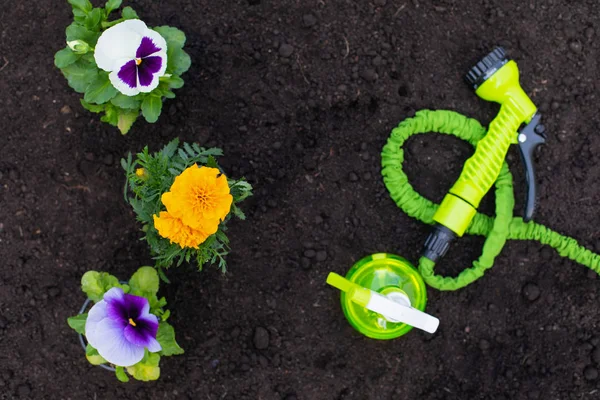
<point>96,314</point>
<point>157,40</point>
<point>116,306</point>
<point>119,41</point>
<point>143,332</point>
<point>150,70</point>
<point>137,306</point>
<point>114,347</point>
<point>147,48</point>
<point>154,346</point>
<point>114,294</point>
<point>122,86</point>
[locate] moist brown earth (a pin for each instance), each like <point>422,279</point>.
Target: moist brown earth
<point>301,96</point>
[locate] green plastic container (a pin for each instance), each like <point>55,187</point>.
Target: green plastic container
<point>387,274</point>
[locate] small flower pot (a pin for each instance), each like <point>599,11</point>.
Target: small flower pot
<point>82,339</point>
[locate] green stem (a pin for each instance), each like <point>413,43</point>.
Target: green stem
<point>107,24</point>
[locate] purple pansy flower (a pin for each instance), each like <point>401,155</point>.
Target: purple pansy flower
<point>120,327</point>
<point>134,55</point>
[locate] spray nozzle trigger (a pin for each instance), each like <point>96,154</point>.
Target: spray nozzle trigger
<point>529,138</point>
<point>392,310</point>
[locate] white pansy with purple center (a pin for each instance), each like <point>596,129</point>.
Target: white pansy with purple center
<point>134,55</point>
<point>120,327</point>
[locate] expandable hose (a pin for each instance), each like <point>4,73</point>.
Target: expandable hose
<point>497,230</point>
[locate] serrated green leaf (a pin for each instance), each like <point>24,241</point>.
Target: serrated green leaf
<point>173,36</point>
<point>92,20</point>
<point>126,120</point>
<point>167,313</point>
<point>144,282</point>
<point>95,108</point>
<point>129,102</point>
<point>129,13</point>
<point>182,154</point>
<point>79,75</point>
<point>189,149</point>
<point>100,90</point>
<point>178,61</point>
<point>151,108</point>
<point>76,31</point>
<point>238,212</point>
<point>211,162</point>
<point>94,284</point>
<point>147,369</point>
<point>169,150</point>
<point>78,323</point>
<point>121,375</point>
<point>166,338</point>
<point>112,5</point>
<point>83,5</point>
<point>65,57</point>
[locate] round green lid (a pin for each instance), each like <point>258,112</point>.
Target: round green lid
<point>389,275</point>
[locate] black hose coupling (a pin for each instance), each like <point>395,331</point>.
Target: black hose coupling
<point>438,242</point>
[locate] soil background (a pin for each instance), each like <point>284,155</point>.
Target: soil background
<point>301,96</point>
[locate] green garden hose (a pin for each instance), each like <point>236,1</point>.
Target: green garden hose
<point>496,230</point>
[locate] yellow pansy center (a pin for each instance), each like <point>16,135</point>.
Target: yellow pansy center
<point>138,61</point>
<point>131,322</point>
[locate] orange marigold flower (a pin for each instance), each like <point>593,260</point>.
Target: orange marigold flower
<point>200,198</point>
<point>177,232</point>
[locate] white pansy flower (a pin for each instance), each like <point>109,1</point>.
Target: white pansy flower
<point>134,55</point>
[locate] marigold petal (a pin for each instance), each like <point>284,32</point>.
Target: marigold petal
<point>177,232</point>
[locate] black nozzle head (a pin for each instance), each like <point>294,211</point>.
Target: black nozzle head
<point>438,242</point>
<point>486,67</point>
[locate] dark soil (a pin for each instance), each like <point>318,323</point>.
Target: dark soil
<point>302,95</point>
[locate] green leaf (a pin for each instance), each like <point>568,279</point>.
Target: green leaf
<point>147,369</point>
<point>78,323</point>
<point>95,284</point>
<point>130,102</point>
<point>65,57</point>
<point>111,115</point>
<point>178,61</point>
<point>126,120</point>
<point>144,282</point>
<point>238,212</point>
<point>166,338</point>
<point>173,36</point>
<point>169,150</point>
<point>151,108</point>
<point>95,108</point>
<point>90,351</point>
<point>129,13</point>
<point>167,313</point>
<point>79,75</point>
<point>100,90</point>
<point>112,5</point>
<point>83,5</point>
<point>121,375</point>
<point>174,81</point>
<point>156,305</point>
<point>93,356</point>
<point>76,31</point>
<point>92,20</point>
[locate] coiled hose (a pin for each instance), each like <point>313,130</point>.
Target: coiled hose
<point>496,230</point>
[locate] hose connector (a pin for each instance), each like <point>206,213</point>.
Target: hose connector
<point>438,242</point>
